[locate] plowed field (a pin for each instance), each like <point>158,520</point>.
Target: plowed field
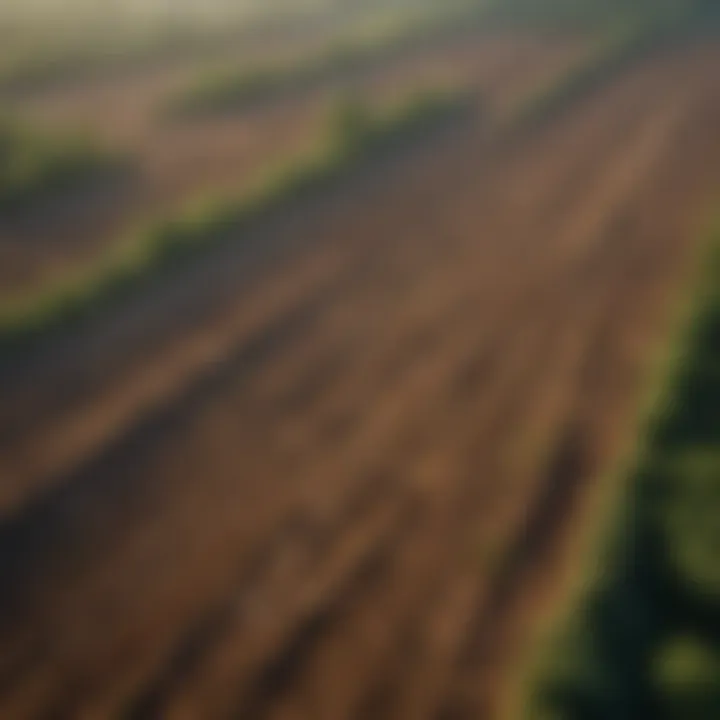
<point>334,471</point>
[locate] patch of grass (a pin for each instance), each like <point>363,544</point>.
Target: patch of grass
<point>648,645</point>
<point>686,679</point>
<point>354,134</point>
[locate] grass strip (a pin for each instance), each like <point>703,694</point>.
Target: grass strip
<point>643,641</point>
<point>356,134</point>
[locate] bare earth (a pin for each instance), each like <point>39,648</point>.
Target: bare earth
<point>332,471</point>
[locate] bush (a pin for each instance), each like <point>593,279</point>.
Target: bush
<point>686,680</point>
<point>689,517</point>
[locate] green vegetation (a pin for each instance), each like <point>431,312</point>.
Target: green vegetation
<point>355,134</point>
<point>644,640</point>
<point>34,165</point>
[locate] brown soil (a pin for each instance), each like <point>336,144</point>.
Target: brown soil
<point>331,472</point>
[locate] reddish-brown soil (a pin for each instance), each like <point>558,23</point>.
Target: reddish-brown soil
<point>183,161</point>
<point>331,471</point>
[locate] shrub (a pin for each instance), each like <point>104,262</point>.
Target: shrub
<point>686,680</point>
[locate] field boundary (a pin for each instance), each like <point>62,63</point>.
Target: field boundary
<point>641,638</point>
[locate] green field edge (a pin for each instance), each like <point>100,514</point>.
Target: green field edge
<point>641,637</point>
